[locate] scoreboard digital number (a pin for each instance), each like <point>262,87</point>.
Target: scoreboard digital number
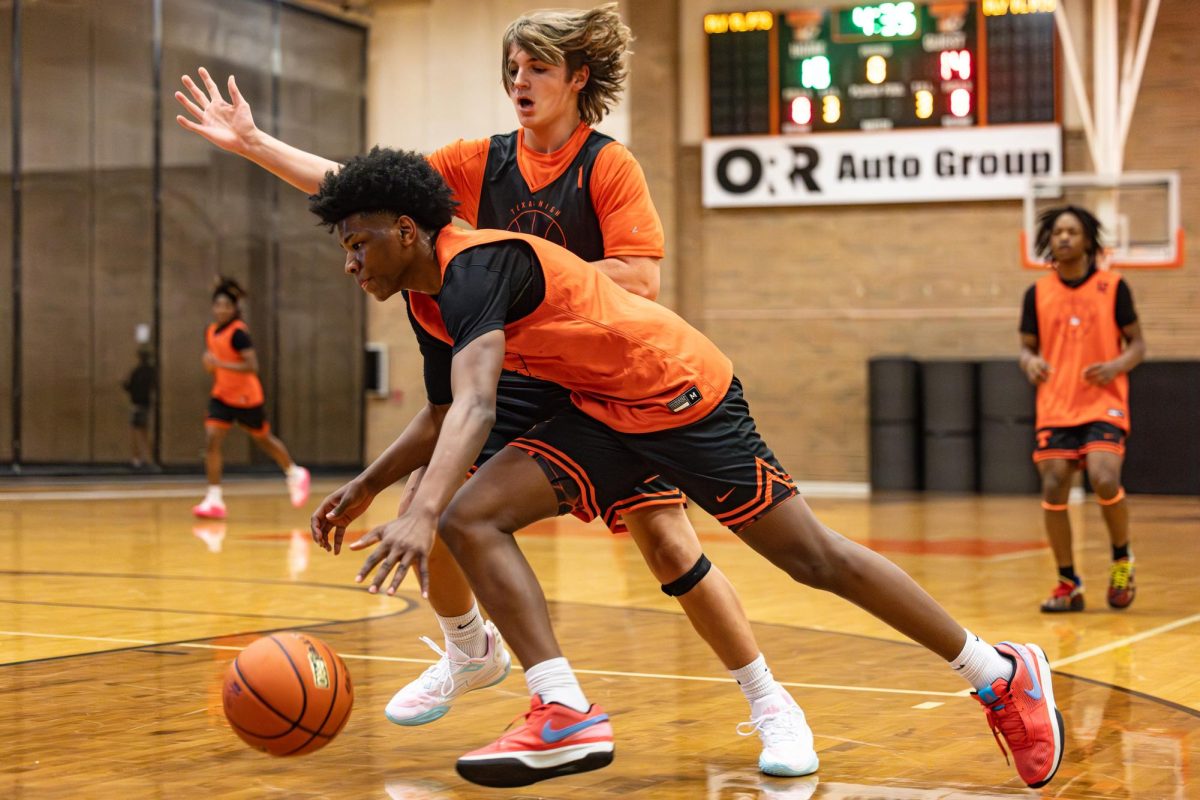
<point>943,63</point>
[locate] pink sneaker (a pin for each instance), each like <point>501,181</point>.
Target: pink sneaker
<point>209,510</point>
<point>298,483</point>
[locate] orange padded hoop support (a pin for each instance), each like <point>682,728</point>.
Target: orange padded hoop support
<point>1108,261</point>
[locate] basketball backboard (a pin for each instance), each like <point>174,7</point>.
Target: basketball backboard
<point>1139,213</point>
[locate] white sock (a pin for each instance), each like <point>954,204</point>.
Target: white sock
<point>755,679</point>
<point>214,495</point>
<point>554,682</point>
<point>294,472</point>
<point>980,664</point>
<point>466,632</point>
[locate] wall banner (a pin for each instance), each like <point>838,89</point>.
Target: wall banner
<point>903,166</point>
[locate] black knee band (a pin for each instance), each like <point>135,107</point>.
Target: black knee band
<point>684,584</point>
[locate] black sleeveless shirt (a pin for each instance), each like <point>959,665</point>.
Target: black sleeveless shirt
<point>561,212</point>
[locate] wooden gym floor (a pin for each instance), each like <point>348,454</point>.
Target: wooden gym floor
<point>121,613</point>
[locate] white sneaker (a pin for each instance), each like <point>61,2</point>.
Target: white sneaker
<point>787,741</point>
<point>428,698</point>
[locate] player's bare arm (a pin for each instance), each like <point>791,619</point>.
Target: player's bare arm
<point>230,126</point>
<point>412,449</point>
<point>1032,364</point>
<point>637,274</point>
<point>407,540</point>
<point>1134,353</point>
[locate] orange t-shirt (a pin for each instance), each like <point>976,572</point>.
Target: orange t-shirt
<point>629,362</point>
<point>233,388</point>
<point>1077,327</point>
<point>628,220</point>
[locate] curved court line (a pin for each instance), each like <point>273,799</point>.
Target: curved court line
<point>411,604</point>
<point>194,578</point>
<point>153,610</point>
<point>138,644</point>
<point>130,494</point>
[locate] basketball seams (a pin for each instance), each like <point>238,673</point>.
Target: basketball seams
<point>299,677</point>
<point>339,666</point>
<point>332,701</point>
<point>349,706</point>
<point>274,679</point>
<point>243,680</point>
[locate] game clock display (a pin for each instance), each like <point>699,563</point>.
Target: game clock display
<point>880,66</point>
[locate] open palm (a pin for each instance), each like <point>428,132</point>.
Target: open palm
<point>228,125</point>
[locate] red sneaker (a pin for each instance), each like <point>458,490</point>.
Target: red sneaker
<point>1067,596</point>
<point>1121,588</point>
<point>1022,710</point>
<point>553,741</point>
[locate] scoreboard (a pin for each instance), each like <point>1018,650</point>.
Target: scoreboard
<point>935,64</point>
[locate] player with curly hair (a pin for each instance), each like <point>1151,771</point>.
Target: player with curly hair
<point>558,178</point>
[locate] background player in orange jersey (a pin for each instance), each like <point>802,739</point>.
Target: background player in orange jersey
<point>557,178</point>
<point>1079,338</point>
<point>237,396</point>
<point>649,393</point>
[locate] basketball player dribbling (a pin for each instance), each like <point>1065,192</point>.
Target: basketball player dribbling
<point>555,177</point>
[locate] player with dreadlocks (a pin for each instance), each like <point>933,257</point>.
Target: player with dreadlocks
<point>1079,339</point>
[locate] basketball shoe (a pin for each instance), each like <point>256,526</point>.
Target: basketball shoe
<point>1022,711</point>
<point>787,741</point>
<point>1067,596</point>
<point>209,509</point>
<point>429,697</point>
<point>553,740</point>
<point>1121,588</point>
<point>298,481</point>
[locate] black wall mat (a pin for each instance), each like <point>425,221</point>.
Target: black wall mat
<point>895,457</point>
<point>895,446</point>
<point>1163,451</point>
<point>950,463</point>
<point>1005,393</point>
<point>948,396</point>
<point>1006,458</point>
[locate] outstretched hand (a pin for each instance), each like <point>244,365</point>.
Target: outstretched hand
<point>228,125</point>
<point>336,512</point>
<point>404,542</point>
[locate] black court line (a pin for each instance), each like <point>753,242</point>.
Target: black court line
<point>153,610</point>
<point>410,605</point>
<point>192,578</point>
<point>1134,693</point>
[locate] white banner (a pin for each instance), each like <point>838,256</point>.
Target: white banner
<point>906,166</point>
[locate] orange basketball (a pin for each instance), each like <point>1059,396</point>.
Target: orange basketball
<point>287,694</point>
